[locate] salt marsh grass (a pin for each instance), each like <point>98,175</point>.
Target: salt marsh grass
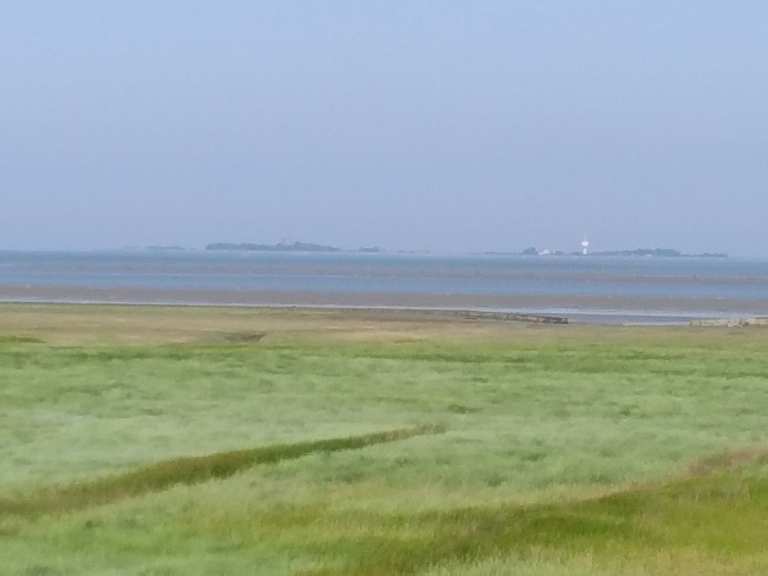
<point>563,450</point>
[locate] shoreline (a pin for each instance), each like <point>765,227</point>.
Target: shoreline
<point>619,310</point>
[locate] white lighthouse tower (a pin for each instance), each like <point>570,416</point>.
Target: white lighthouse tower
<point>585,247</point>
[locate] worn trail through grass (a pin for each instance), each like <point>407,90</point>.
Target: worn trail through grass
<point>189,470</point>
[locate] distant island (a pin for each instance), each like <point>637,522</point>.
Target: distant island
<point>153,248</point>
<point>279,247</point>
<point>289,247</point>
<point>163,248</point>
<point>636,253</point>
<point>659,253</point>
<point>284,246</point>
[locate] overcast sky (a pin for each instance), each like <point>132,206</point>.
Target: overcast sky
<point>483,125</point>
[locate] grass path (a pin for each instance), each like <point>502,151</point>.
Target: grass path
<point>189,470</point>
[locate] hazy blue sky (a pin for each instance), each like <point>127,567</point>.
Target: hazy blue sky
<point>461,125</point>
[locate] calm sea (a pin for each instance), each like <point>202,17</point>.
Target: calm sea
<point>566,279</point>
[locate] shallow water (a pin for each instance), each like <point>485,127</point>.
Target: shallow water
<point>574,284</point>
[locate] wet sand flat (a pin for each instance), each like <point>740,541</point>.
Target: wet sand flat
<point>577,307</point>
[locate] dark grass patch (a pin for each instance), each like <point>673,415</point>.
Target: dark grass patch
<point>41,570</point>
<point>188,470</point>
<point>237,338</point>
<point>20,340</point>
<point>461,409</point>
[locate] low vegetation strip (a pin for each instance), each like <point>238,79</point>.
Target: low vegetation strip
<point>189,470</point>
<point>20,340</point>
<point>710,523</point>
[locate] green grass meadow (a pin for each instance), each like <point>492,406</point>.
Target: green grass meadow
<point>190,441</point>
